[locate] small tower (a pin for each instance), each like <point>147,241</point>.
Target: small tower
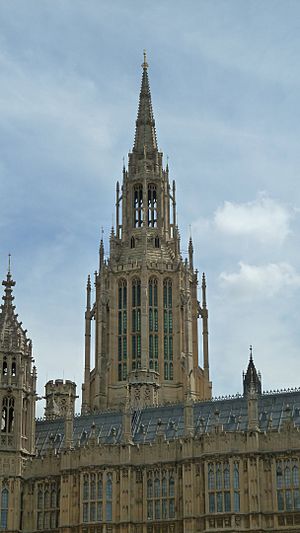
<point>17,403</point>
<point>252,378</point>
<point>60,398</point>
<point>17,378</point>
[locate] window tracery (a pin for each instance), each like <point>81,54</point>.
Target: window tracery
<point>7,414</point>
<point>97,496</point>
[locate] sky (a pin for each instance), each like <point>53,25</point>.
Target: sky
<point>225,85</point>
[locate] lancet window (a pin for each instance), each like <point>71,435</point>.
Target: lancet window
<point>48,496</point>
<point>7,415</point>
<point>153,324</point>
<point>152,206</point>
<point>222,495</point>
<point>4,367</point>
<point>168,330</point>
<point>4,508</point>
<point>160,495</point>
<point>136,324</point>
<point>97,494</point>
<point>287,483</point>
<point>122,330</point>
<point>138,206</point>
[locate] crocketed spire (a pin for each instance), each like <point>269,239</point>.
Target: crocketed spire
<point>252,378</point>
<point>145,134</point>
<point>12,335</point>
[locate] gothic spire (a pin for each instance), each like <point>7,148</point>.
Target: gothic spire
<point>12,335</point>
<point>252,378</point>
<point>145,134</point>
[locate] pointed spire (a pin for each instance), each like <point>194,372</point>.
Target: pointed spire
<point>101,250</point>
<point>9,283</point>
<point>145,134</point>
<point>191,253</point>
<point>88,293</point>
<point>252,378</point>
<point>203,291</point>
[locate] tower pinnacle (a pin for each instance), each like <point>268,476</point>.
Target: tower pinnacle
<point>145,134</point>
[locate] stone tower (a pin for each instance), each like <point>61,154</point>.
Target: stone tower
<point>146,309</point>
<point>17,400</point>
<point>60,398</point>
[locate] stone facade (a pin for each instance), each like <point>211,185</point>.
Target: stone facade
<point>151,451</point>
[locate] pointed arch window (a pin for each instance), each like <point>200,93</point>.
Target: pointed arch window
<point>4,508</point>
<point>153,324</point>
<point>138,206</point>
<point>152,206</point>
<point>168,330</point>
<point>132,242</point>
<point>136,352</point>
<point>7,415</point>
<point>287,483</point>
<point>109,496</point>
<point>14,368</point>
<point>122,330</point>
<point>160,495</point>
<point>4,367</point>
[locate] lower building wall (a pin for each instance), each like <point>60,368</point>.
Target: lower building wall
<point>219,482</point>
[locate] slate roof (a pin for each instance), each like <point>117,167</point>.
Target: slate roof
<point>168,421</point>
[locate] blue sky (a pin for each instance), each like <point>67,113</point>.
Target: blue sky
<point>225,87</point>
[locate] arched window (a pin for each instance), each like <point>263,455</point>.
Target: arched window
<point>86,487</point>
<point>4,508</point>
<point>14,368</point>
<point>138,206</point>
<point>168,330</point>
<point>153,324</point>
<point>122,330</point>
<point>156,488</point>
<point>4,367</point>
<point>152,206</point>
<point>156,242</point>
<point>226,476</point>
<point>149,488</point>
<point>132,242</point>
<point>109,496</point>
<point>7,415</point>
<point>136,325</point>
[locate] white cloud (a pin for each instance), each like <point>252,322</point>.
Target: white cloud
<point>263,219</point>
<point>265,280</point>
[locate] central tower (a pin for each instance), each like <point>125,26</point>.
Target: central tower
<point>146,308</point>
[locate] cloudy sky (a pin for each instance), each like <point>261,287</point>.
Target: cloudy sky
<point>225,84</point>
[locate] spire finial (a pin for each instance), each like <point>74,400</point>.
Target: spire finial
<point>251,352</point>
<point>9,266</point>
<point>145,64</point>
